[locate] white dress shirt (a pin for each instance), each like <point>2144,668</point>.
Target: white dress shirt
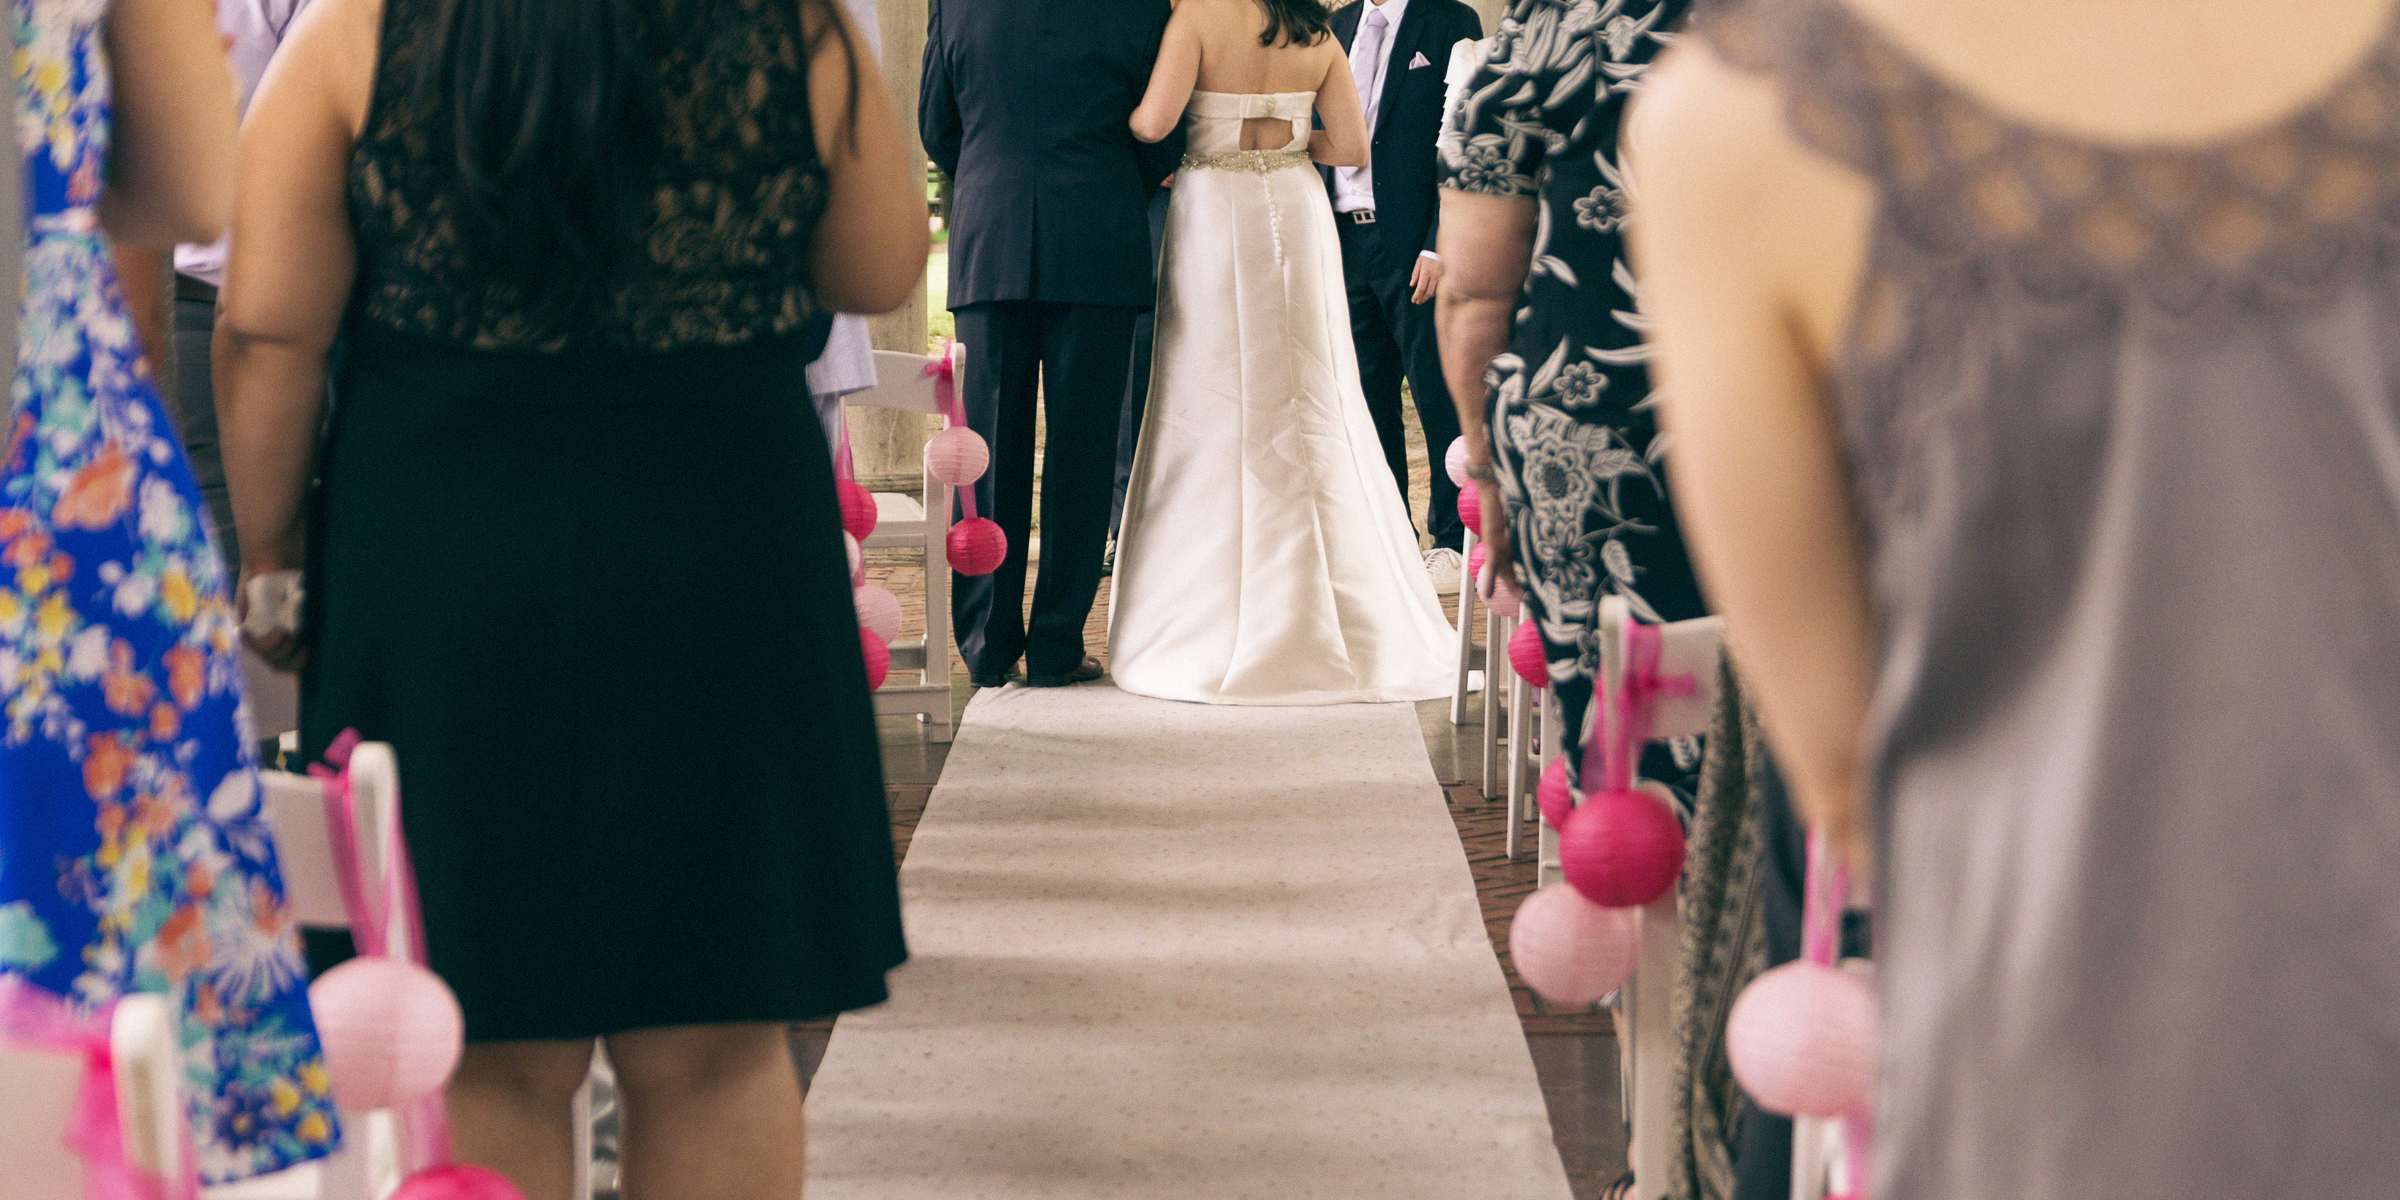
<point>252,29</point>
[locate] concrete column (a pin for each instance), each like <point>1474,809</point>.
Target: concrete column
<point>1489,11</point>
<point>888,447</point>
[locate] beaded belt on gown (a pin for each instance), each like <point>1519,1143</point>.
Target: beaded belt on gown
<point>1260,162</point>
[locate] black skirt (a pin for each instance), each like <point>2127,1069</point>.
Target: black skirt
<point>599,605</point>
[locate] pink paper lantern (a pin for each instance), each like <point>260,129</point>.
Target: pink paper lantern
<point>858,560</point>
<point>457,1181</point>
<point>878,610</point>
<point>1526,654</point>
<point>1504,599</point>
<point>858,508</point>
<point>1621,849</point>
<point>1553,796</point>
<point>878,656</point>
<point>957,456</point>
<point>1454,461</point>
<point>977,546</point>
<point>1475,564</point>
<point>1802,1040</point>
<point>391,1030</point>
<point>1470,508</point>
<point>1573,951</point>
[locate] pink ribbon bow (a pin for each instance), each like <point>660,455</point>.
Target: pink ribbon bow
<point>35,1019</point>
<point>1612,760</point>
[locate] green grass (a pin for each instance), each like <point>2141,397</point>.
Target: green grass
<point>938,322</point>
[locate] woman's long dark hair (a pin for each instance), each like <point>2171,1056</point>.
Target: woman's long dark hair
<point>1298,22</point>
<point>547,112</point>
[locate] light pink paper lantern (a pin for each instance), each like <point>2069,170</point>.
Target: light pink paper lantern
<point>878,656</point>
<point>1504,598</point>
<point>1553,796</point>
<point>1454,461</point>
<point>1526,654</point>
<point>1802,1040</point>
<point>457,1181</point>
<point>1621,849</point>
<point>1573,951</point>
<point>1470,508</point>
<point>976,546</point>
<point>957,456</point>
<point>858,508</point>
<point>391,1030</point>
<point>878,610</point>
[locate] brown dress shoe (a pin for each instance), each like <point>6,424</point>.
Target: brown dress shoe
<point>1083,672</point>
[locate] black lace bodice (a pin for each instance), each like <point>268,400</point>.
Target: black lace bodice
<point>738,192</point>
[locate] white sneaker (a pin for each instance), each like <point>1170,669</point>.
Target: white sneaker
<point>1447,567</point>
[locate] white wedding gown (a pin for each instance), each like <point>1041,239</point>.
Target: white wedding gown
<point>1265,555</point>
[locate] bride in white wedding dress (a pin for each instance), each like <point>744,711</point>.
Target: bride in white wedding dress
<point>1265,556</point>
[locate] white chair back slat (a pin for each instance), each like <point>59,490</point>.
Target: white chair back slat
<point>38,1091</point>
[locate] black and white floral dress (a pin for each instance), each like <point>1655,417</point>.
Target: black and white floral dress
<point>1574,437</point>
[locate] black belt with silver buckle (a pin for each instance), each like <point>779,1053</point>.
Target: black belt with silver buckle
<point>1361,216</point>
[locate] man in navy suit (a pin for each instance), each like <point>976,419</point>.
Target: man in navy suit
<point>1025,105</point>
<point>1386,212</point>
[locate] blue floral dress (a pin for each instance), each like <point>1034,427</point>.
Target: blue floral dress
<point>133,856</point>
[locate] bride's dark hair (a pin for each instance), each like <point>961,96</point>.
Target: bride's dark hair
<point>1299,22</point>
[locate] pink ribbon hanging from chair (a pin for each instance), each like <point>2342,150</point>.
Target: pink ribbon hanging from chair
<point>425,1122</point>
<point>36,1019</point>
<point>944,373</point>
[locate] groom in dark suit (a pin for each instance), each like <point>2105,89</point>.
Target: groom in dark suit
<point>1386,212</point>
<point>1024,105</point>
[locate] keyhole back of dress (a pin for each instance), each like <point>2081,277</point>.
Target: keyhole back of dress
<point>1268,133</point>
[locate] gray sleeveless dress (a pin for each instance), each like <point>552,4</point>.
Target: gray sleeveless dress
<point>2124,428</point>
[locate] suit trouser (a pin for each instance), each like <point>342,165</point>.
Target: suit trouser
<point>1395,337</point>
<point>1071,359</point>
<point>1137,382</point>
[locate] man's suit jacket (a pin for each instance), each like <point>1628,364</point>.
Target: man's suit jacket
<point>1409,119</point>
<point>1024,105</point>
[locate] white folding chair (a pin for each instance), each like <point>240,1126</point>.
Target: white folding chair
<point>919,524</point>
<point>38,1092</point>
<point>1470,658</point>
<point>368,1166</point>
<point>1688,648</point>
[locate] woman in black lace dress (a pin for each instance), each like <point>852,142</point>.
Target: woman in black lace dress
<point>575,551</point>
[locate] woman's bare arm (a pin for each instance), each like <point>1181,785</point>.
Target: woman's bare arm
<point>170,175</point>
<point>871,242</point>
<point>1343,141</point>
<point>1172,78</point>
<point>1739,239</point>
<point>288,276</point>
<point>1486,244</point>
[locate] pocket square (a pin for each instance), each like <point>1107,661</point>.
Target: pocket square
<point>1419,61</point>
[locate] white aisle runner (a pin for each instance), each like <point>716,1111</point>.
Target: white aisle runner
<point>1174,950</point>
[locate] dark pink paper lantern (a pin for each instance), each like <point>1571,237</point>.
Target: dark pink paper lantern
<point>457,1181</point>
<point>976,546</point>
<point>1570,950</point>
<point>1553,796</point>
<point>1621,849</point>
<point>1475,559</point>
<point>1802,1040</point>
<point>1526,654</point>
<point>878,656</point>
<point>858,508</point>
<point>1470,508</point>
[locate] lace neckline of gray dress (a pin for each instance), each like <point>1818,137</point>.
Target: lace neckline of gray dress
<point>2297,202</point>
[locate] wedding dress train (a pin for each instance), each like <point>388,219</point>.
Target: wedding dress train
<point>1265,555</point>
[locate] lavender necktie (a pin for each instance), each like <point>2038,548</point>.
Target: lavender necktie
<point>1366,62</point>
